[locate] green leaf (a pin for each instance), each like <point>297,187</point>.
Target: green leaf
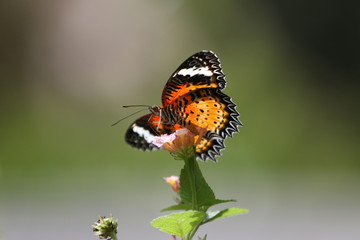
<point>177,207</point>
<point>179,224</point>
<point>204,194</point>
<point>214,215</point>
<point>218,201</point>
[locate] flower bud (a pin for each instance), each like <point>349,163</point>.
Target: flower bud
<point>174,182</point>
<point>106,228</point>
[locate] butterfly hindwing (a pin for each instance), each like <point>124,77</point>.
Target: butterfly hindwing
<point>210,146</point>
<point>208,108</point>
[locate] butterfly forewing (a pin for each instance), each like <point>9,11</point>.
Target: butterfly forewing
<point>198,71</point>
<point>140,134</point>
<point>142,131</point>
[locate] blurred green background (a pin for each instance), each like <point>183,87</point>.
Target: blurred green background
<point>67,67</point>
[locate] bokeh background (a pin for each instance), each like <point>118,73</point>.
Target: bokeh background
<point>67,67</point>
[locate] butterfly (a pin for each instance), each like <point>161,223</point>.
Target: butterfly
<point>192,97</point>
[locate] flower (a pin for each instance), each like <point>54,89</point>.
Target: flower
<point>106,228</point>
<point>160,140</point>
<point>174,182</point>
<point>181,142</point>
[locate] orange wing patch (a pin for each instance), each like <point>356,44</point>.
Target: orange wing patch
<point>207,108</point>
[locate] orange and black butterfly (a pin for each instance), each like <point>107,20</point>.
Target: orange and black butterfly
<point>192,98</point>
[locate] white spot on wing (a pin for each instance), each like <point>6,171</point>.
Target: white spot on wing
<point>195,71</point>
<point>143,133</point>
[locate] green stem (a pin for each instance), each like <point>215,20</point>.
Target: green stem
<point>192,233</point>
<point>191,161</point>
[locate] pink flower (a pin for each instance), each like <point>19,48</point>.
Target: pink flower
<point>160,140</point>
<point>174,182</point>
<point>181,143</point>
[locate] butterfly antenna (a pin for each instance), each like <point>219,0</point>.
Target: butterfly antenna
<point>136,106</point>
<point>128,116</point>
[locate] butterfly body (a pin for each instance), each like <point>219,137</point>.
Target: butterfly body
<point>192,99</point>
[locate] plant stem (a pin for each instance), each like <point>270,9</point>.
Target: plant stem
<point>190,160</point>
<point>192,233</point>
